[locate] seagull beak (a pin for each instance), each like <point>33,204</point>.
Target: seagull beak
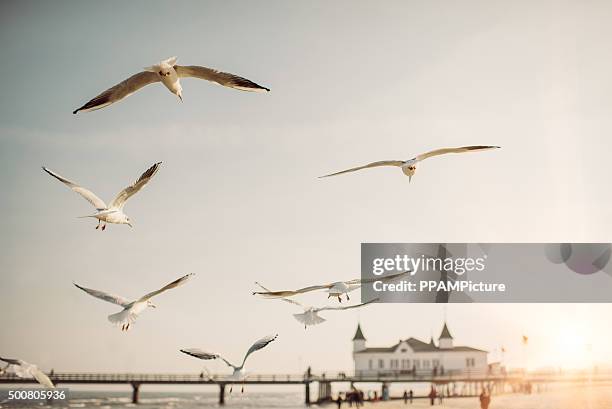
<point>130,224</point>
<point>152,305</point>
<point>180,95</point>
<point>409,178</point>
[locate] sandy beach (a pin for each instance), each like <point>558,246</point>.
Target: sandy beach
<point>595,397</point>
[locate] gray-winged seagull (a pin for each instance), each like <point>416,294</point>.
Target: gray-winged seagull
<point>335,289</point>
<point>131,309</point>
<point>168,73</point>
<point>239,373</point>
<point>112,213</point>
<point>409,166</point>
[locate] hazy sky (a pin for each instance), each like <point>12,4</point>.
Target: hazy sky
<point>237,198</point>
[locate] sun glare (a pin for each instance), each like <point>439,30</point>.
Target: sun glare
<point>571,351</point>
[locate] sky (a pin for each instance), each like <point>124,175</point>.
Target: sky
<point>237,198</point>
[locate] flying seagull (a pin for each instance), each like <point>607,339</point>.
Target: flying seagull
<point>311,316</point>
<point>409,166</point>
<point>131,309</point>
<point>239,373</point>
<point>169,74</point>
<point>112,213</point>
<point>336,289</point>
<point>24,369</point>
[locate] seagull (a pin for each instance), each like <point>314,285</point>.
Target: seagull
<point>239,373</point>
<point>131,309</point>
<point>114,212</point>
<point>310,315</point>
<point>169,74</point>
<point>336,289</point>
<point>24,369</point>
<point>409,166</point>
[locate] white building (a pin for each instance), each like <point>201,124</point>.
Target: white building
<point>413,355</point>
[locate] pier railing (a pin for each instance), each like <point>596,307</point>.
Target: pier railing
<point>360,376</point>
<point>84,377</point>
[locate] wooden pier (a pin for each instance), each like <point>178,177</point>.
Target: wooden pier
<point>462,384</point>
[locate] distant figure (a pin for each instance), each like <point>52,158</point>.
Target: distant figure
<point>375,396</point>
<point>52,372</point>
<point>435,371</point>
<point>308,372</point>
<point>410,396</point>
<point>339,401</point>
<point>361,398</point>
<point>485,400</point>
<point>405,397</point>
<point>202,375</point>
<point>441,396</point>
<point>432,395</point>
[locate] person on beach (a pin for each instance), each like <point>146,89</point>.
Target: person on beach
<point>410,395</point>
<point>485,400</point>
<point>432,395</point>
<point>405,397</point>
<point>339,401</point>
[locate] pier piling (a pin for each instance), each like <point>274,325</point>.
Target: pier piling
<point>135,392</point>
<point>221,394</point>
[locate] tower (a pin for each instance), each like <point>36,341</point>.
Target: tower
<point>359,341</point>
<point>446,339</point>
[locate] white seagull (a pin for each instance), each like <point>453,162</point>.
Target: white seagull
<point>131,309</point>
<point>335,289</point>
<point>112,213</point>
<point>24,369</point>
<point>169,74</point>
<point>239,373</point>
<point>409,166</point>
<point>311,316</point>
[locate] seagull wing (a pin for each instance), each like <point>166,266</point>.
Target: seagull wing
<point>131,190</point>
<point>12,361</point>
<point>369,165</point>
<point>120,91</point>
<point>41,377</point>
<point>282,299</point>
<point>347,307</point>
<point>115,299</point>
<point>87,194</point>
<point>373,279</point>
<point>289,293</point>
<point>222,78</point>
<point>198,353</point>
<point>25,369</point>
<point>259,344</point>
<point>462,149</point>
<point>173,284</point>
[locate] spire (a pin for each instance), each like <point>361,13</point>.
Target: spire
<point>445,333</point>
<point>358,334</point>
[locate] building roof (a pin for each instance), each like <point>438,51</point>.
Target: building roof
<point>415,344</point>
<point>359,334</point>
<point>445,333</point>
<point>419,346</point>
